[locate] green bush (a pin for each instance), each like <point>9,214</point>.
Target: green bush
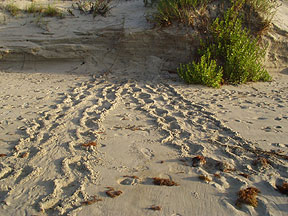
<point>13,9</point>
<point>205,72</point>
<point>230,48</point>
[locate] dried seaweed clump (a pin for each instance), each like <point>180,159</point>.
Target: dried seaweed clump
<point>162,181</point>
<point>248,196</point>
<point>91,201</point>
<point>261,163</point>
<point>155,208</point>
<point>205,178</point>
<point>225,167</point>
<point>24,155</point>
<point>199,160</point>
<point>89,144</point>
<point>283,188</point>
<point>112,193</point>
<point>245,175</point>
<point>3,155</point>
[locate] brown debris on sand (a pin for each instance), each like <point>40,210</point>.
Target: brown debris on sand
<point>89,144</point>
<point>3,155</point>
<point>248,196</point>
<point>261,163</point>
<point>133,177</point>
<point>91,201</point>
<point>162,181</point>
<point>205,178</point>
<point>155,208</point>
<point>112,193</point>
<point>283,188</point>
<point>24,155</point>
<point>199,160</point>
<point>244,175</point>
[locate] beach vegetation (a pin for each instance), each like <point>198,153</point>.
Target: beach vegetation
<point>34,8</point>
<point>45,11</point>
<point>94,7</point>
<point>183,11</point>
<point>13,9</point>
<point>230,51</point>
<point>51,11</point>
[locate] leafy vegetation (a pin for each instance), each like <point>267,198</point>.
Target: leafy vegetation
<point>13,9</point>
<point>49,11</point>
<point>230,53</point>
<point>94,7</point>
<point>169,11</point>
<point>204,72</point>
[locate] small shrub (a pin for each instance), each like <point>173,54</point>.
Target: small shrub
<point>182,11</point>
<point>229,56</point>
<point>34,8</point>
<point>13,9</point>
<point>51,11</point>
<point>205,72</point>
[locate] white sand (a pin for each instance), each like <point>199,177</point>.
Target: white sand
<point>80,80</point>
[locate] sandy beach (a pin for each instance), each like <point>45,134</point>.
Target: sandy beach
<point>93,115</point>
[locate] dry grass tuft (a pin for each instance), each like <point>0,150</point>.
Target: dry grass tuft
<point>248,196</point>
<point>162,181</point>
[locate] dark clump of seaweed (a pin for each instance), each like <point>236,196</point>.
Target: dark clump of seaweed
<point>91,201</point>
<point>244,175</point>
<point>205,178</point>
<point>248,196</point>
<point>111,192</point>
<point>89,144</point>
<point>3,155</point>
<point>198,161</point>
<point>24,155</point>
<point>283,188</point>
<point>155,208</point>
<point>162,181</point>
